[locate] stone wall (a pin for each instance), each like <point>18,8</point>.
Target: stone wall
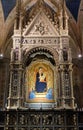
<point>4,78</point>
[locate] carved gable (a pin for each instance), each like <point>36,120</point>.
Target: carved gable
<point>41,26</point>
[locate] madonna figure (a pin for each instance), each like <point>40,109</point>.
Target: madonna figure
<point>40,85</point>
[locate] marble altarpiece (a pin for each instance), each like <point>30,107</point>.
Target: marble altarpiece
<point>41,60</point>
<point>41,87</point>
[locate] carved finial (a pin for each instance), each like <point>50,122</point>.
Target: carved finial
<point>18,6</point>
<point>17,24</point>
<point>64,13</point>
<point>40,3</point>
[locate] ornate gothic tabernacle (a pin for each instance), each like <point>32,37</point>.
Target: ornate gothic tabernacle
<point>41,60</point>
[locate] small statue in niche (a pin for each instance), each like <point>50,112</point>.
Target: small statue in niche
<point>65,54</point>
<point>66,72</point>
<point>16,53</point>
<point>66,75</point>
<point>60,55</point>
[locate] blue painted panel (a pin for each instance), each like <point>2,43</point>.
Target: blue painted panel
<point>7,5</point>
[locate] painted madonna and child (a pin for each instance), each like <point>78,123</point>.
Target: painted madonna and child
<point>41,85</point>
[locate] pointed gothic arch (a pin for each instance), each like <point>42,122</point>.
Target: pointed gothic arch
<point>49,53</point>
<point>51,5</point>
<point>46,59</point>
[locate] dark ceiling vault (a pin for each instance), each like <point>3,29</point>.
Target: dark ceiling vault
<point>7,5</point>
<point>73,6</point>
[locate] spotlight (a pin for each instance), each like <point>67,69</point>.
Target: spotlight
<point>1,55</point>
<point>79,56</point>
